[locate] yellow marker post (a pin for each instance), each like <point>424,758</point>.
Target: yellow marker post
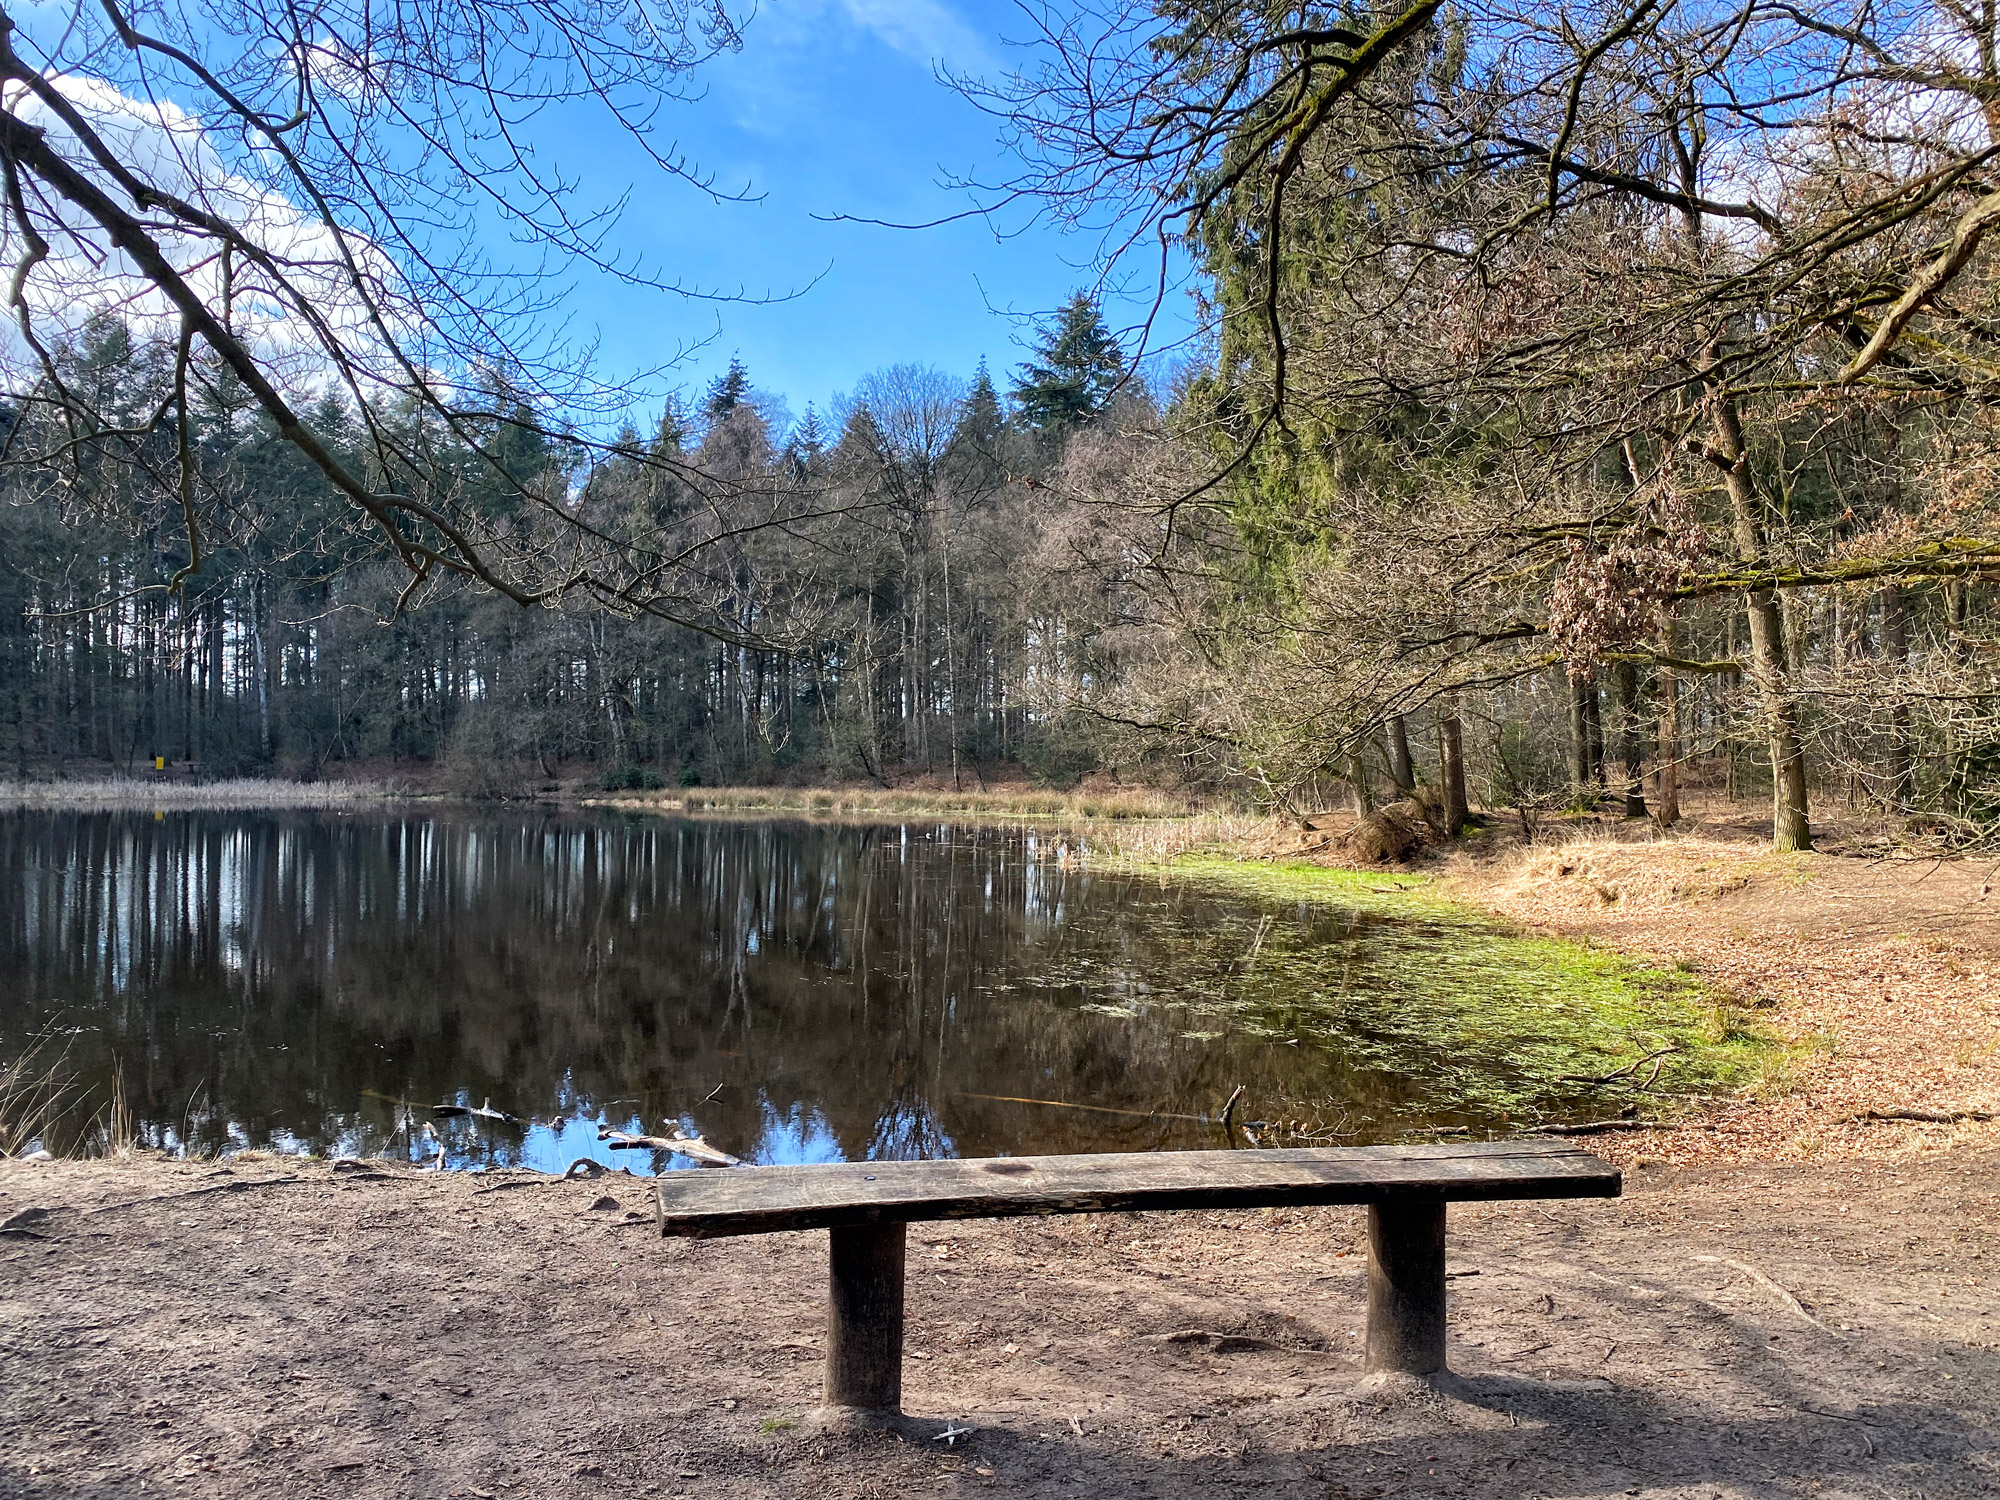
<point>159,763</point>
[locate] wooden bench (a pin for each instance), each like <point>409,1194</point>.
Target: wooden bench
<point>866,1206</point>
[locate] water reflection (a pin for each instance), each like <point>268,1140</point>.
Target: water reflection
<point>794,992</point>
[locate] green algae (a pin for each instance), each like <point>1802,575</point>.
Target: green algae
<point>1430,1012</point>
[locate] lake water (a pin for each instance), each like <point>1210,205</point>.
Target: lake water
<point>791,991</point>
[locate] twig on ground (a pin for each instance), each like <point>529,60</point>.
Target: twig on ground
<point>218,1187</point>
<point>1617,1073</point>
<point>1869,1450</point>
<point>1769,1285</point>
<point>1920,1116</point>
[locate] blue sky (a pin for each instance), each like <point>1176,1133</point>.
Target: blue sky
<point>833,107</point>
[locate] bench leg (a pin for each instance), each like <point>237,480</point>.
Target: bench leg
<point>864,1326</point>
<point>1406,1288</point>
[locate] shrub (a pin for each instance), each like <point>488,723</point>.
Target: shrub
<point>631,779</point>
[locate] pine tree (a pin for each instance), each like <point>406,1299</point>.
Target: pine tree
<point>726,392</point>
<point>807,445</point>
<point>984,420</point>
<point>670,438</point>
<point>1077,366</point>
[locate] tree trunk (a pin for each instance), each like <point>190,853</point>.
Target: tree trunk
<point>1633,746</point>
<point>1791,828</point>
<point>1357,777</point>
<point>1451,767</point>
<point>1667,758</point>
<point>1899,762</point>
<point>260,664</point>
<point>1579,734</point>
<point>1402,770</point>
<point>1593,735</point>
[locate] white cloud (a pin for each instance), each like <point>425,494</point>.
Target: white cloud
<point>169,149</point>
<point>927,30</point>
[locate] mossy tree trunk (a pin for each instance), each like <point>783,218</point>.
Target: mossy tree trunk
<point>1791,826</point>
<point>1402,770</point>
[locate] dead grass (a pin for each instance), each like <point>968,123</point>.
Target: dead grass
<point>120,792</point>
<point>1092,805</point>
<point>43,1105</point>
<point>1231,835</point>
<point>36,1090</point>
<point>1613,869</point>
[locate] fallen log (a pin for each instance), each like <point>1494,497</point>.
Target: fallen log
<point>1599,1127</point>
<point>694,1148</point>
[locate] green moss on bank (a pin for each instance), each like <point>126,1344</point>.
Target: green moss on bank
<point>1434,1003</point>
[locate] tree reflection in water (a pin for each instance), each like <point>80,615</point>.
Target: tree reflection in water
<point>793,991</point>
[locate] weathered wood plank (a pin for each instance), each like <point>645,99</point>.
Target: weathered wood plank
<point>762,1200</point>
<point>1406,1288</point>
<point>864,1317</point>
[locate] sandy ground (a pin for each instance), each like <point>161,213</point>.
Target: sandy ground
<point>1812,1330</point>
<point>1888,971</point>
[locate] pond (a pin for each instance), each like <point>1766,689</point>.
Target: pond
<point>791,991</point>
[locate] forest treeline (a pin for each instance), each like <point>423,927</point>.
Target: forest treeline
<point>1593,399</point>
<point>874,598</point>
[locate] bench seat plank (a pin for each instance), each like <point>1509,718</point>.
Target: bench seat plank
<point>764,1200</point>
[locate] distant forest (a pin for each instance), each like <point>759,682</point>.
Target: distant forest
<point>908,623</point>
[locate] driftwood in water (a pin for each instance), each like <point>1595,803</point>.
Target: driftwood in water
<point>485,1111</point>
<point>694,1148</point>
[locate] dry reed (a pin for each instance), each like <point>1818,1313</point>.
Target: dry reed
<point>36,1091</point>
<point>1120,804</point>
<point>121,792</point>
<point>1607,869</point>
<point>1233,835</point>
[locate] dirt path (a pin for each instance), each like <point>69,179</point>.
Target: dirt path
<point>1814,1331</point>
